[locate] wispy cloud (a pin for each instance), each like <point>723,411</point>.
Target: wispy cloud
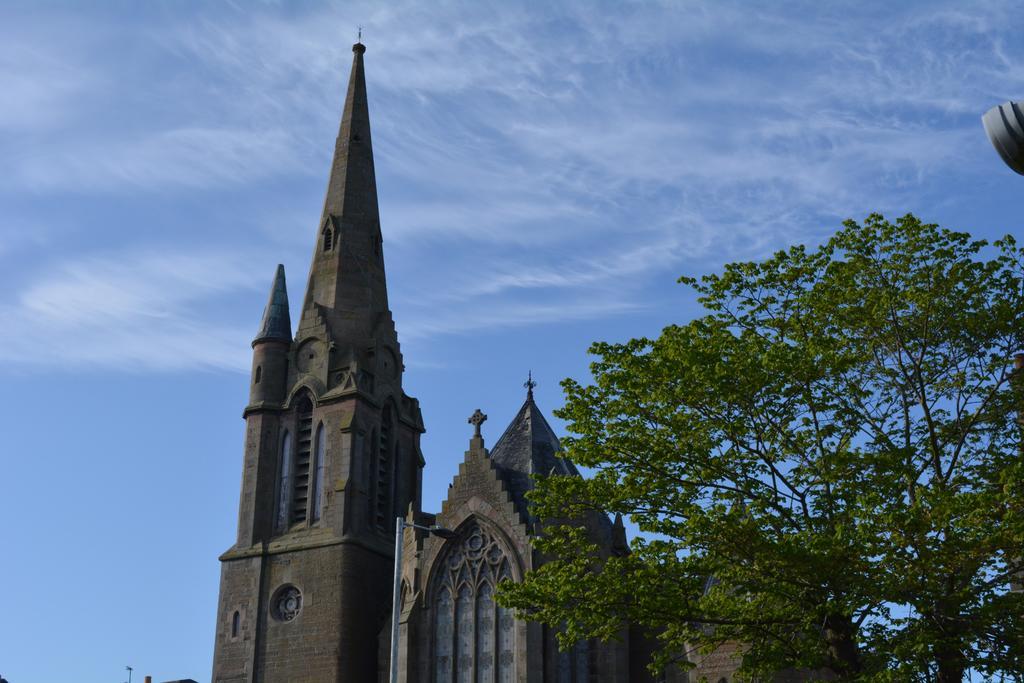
<point>193,158</point>
<point>566,157</point>
<point>525,314</point>
<point>39,87</point>
<point>135,311</point>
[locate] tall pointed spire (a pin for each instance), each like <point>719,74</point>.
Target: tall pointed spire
<point>352,188</point>
<point>277,322</point>
<point>347,273</point>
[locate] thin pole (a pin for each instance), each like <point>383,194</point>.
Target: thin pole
<point>395,597</point>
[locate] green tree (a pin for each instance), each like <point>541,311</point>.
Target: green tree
<point>825,467</point>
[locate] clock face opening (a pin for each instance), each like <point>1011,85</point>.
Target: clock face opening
<point>286,604</point>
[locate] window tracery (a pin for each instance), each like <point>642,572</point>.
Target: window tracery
<point>474,638</point>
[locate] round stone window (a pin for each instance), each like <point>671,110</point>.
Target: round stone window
<point>286,604</point>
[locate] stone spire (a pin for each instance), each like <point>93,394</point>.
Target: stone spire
<point>277,323</point>
<point>347,272</point>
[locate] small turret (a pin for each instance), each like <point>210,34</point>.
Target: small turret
<point>270,347</point>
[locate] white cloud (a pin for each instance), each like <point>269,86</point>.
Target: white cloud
<point>134,311</point>
<point>40,87</point>
<point>505,314</point>
<point>600,271</point>
<point>194,158</point>
<point>568,155</point>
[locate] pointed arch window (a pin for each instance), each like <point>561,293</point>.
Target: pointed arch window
<point>284,482</point>
<point>474,638</point>
<point>577,664</point>
<point>317,490</point>
<point>328,240</point>
<point>370,451</point>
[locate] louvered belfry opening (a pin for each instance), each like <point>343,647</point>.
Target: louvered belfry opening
<point>383,473</point>
<point>303,448</point>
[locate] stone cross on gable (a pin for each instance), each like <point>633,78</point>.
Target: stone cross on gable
<point>477,419</point>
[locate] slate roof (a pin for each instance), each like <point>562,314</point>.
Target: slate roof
<point>528,446</point>
<point>277,323</point>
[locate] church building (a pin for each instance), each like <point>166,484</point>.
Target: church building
<point>332,457</point>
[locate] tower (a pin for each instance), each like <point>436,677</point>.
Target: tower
<point>331,451</point>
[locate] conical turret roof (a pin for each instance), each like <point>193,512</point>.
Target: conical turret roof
<point>277,322</point>
<point>528,447</point>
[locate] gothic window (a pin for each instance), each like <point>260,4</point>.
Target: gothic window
<point>382,473</point>
<point>284,482</point>
<point>328,239</point>
<point>317,491</point>
<point>443,632</point>
<point>303,444</point>
<point>396,478</point>
<point>474,638</point>
<point>577,665</point>
<point>485,633</point>
<point>582,653</point>
<point>464,639</point>
<point>236,620</point>
<point>370,449</point>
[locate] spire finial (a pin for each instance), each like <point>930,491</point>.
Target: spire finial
<point>529,384</point>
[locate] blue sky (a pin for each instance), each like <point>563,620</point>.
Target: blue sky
<point>546,171</point>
